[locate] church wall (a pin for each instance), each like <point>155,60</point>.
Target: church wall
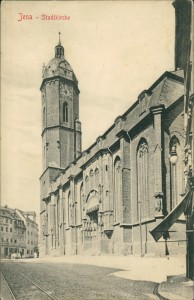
<point>43,152</point>
<point>105,177</point>
<point>124,222</point>
<point>133,116</point>
<point>143,234</point>
<point>76,105</point>
<point>173,126</point>
<point>79,213</point>
<point>66,139</point>
<point>147,134</point>
<point>126,180</point>
<point>52,102</point>
<point>93,206</point>
<point>52,148</point>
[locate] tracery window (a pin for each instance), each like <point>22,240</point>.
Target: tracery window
<point>117,187</point>
<point>142,179</point>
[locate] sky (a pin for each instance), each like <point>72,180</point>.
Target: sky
<point>116,49</point>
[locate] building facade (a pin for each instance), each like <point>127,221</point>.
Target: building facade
<point>19,233</point>
<point>185,15</point>
<point>106,199</point>
<point>184,52</point>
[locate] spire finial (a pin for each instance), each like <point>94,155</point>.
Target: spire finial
<point>59,37</point>
<point>59,50</point>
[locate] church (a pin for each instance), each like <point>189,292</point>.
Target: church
<point>107,199</point>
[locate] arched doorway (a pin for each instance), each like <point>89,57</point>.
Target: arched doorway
<point>90,226</point>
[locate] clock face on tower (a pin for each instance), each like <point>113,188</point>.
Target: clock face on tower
<point>66,91</point>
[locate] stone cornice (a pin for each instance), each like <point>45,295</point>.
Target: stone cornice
<point>57,126</point>
<point>123,134</point>
<point>58,77</point>
<point>97,154</point>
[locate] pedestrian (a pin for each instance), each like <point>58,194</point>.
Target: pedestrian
<point>13,256</point>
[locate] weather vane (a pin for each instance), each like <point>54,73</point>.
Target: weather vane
<point>59,36</point>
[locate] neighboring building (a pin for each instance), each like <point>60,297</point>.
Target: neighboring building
<point>14,233</point>
<point>31,232</point>
<point>184,50</point>
<point>106,199</point>
<point>185,38</point>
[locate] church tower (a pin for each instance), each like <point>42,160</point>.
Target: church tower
<point>61,129</point>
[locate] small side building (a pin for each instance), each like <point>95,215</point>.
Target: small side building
<point>19,233</point>
<point>31,238</point>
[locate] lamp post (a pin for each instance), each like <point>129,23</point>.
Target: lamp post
<point>189,218</point>
<point>190,233</point>
<point>173,161</point>
<point>173,156</point>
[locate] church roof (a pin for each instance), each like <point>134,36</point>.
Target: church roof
<point>58,66</point>
<point>167,90</point>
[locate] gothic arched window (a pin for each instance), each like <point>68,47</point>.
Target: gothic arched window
<point>65,112</point>
<point>87,183</point>
<point>91,179</point>
<point>176,178</point>
<point>96,177</point>
<point>142,179</point>
<point>117,187</point>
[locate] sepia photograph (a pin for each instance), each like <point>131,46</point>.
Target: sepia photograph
<point>97,150</point>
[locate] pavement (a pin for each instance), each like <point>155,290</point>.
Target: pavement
<point>168,272</point>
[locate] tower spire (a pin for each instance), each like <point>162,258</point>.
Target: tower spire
<point>59,38</point>
<point>59,49</point>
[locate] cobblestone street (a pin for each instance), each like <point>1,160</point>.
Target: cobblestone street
<point>73,281</point>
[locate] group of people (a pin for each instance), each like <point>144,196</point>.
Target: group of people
<point>20,255</point>
<point>16,255</point>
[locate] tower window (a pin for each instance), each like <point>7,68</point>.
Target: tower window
<point>65,112</point>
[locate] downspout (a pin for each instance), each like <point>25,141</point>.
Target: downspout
<point>131,184</point>
<point>112,192</point>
